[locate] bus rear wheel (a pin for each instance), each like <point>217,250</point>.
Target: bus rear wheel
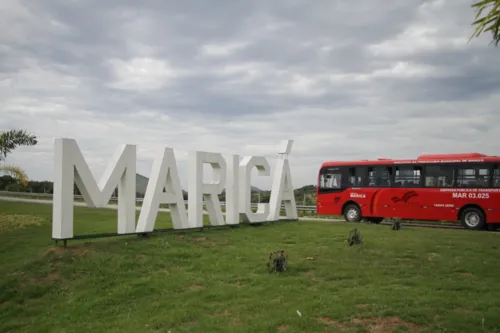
<point>352,213</point>
<point>473,218</point>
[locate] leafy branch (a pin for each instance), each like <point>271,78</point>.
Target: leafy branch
<point>10,140</point>
<point>489,22</point>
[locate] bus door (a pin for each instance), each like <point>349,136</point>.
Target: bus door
<point>329,187</point>
<point>439,204</point>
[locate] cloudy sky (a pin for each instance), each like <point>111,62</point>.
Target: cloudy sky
<point>345,79</point>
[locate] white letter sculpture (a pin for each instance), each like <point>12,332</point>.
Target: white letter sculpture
<point>163,175</point>
<point>246,166</point>
<point>70,168</point>
<point>199,191</point>
<point>232,191</point>
<point>282,189</point>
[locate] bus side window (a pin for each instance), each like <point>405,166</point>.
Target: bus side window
<point>379,176</point>
<point>439,176</point>
<point>482,178</point>
<point>466,177</point>
<point>355,179</point>
<point>407,176</point>
<point>496,176</point>
<point>472,176</point>
<point>384,175</point>
<point>330,178</point>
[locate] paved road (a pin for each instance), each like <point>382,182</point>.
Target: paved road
<point>83,204</point>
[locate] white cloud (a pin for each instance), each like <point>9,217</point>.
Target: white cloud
<point>434,28</point>
<point>300,85</point>
<point>35,77</point>
<point>416,39</point>
<point>19,23</point>
<point>244,70</point>
<point>222,50</point>
<point>141,74</point>
<point>403,69</point>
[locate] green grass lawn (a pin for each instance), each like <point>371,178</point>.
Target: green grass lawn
<point>301,213</point>
<point>412,280</point>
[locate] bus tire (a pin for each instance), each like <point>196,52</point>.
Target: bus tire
<point>473,218</point>
<point>352,213</point>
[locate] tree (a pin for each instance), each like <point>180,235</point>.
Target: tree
<point>10,140</point>
<point>490,21</point>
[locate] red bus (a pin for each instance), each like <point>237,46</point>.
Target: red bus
<point>441,187</point>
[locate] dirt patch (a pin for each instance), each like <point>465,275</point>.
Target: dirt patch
<point>205,241</point>
<point>363,306</point>
<point>195,287</point>
<point>44,281</point>
<point>235,321</point>
<point>76,250</point>
<point>309,273</point>
<point>178,268</point>
<point>383,325</point>
<point>223,313</point>
<point>371,325</point>
<point>466,274</point>
<point>329,321</point>
<point>431,256</point>
<point>283,328</point>
<point>9,222</point>
<point>190,321</point>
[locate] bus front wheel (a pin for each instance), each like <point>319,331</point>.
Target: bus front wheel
<point>473,218</point>
<point>352,213</point>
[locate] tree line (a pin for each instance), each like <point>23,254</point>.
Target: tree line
<point>305,195</point>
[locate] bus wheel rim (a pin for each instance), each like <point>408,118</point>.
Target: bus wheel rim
<point>352,214</point>
<point>472,219</point>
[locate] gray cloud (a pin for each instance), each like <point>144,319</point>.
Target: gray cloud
<point>346,80</point>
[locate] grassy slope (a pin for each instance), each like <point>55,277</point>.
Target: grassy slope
<point>216,280</point>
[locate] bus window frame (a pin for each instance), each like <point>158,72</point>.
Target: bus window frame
<point>376,167</point>
<point>363,172</point>
<point>476,166</point>
<point>421,181</point>
<point>453,166</point>
<point>343,175</point>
